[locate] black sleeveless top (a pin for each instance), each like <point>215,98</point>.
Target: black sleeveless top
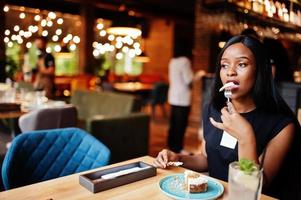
<point>265,125</point>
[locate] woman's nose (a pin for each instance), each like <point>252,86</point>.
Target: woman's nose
<point>231,71</point>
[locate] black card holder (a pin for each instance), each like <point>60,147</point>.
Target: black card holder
<point>94,183</point>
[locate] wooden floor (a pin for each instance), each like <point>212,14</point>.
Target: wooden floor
<point>158,135</point>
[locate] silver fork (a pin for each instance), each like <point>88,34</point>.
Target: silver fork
<point>228,94</point>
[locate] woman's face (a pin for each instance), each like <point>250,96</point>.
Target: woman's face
<point>238,66</point>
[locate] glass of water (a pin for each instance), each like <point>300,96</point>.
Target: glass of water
<point>244,185</point>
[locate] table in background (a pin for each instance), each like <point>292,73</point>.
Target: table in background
<point>132,87</point>
<point>68,187</point>
<point>12,115</point>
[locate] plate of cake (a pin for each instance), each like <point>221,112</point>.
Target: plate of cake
<point>191,185</point>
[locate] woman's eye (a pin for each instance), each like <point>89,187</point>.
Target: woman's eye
<point>225,66</point>
<point>242,65</point>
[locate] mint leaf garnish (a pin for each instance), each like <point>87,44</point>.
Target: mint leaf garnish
<point>247,166</point>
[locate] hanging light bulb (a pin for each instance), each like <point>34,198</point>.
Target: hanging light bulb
<point>94,44</point>
<point>43,23</point>
<point>60,21</point>
<point>20,40</point>
<point>6,39</point>
<point>10,44</point>
<point>72,47</point>
<point>118,45</point>
<point>119,56</point>
<point>99,26</point>
<point>51,15</point>
<point>21,33</point>
<point>125,49</point>
<point>96,53</point>
<point>111,37</point>
<point>132,53</point>
<point>55,38</point>
<point>58,31</point>
<point>16,28</point>
<point>37,18</point>
<point>76,39</point>
<point>102,33</point>
<point>7,32</point>
<point>136,45</point>
<point>138,51</point>
<point>28,45</point>
<point>44,33</point>
<point>57,48</point>
<point>48,49</point>
<point>22,15</point>
<point>49,23</point>
<point>13,37</point>
<point>27,34</point>
<point>5,8</point>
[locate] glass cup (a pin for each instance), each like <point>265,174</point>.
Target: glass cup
<point>9,96</point>
<point>242,185</point>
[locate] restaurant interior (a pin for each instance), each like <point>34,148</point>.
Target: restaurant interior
<point>111,77</point>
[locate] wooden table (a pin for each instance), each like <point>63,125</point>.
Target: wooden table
<point>11,114</point>
<point>68,187</point>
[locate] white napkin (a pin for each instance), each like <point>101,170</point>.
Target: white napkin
<point>123,172</point>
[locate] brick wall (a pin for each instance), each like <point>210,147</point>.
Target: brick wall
<point>159,47</point>
<point>201,56</point>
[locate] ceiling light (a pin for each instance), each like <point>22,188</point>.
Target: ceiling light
<point>124,31</point>
<point>143,58</point>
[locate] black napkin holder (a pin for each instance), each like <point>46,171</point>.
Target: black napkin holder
<point>93,182</point>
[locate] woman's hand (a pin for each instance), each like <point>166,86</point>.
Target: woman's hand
<point>234,124</point>
<point>164,157</point>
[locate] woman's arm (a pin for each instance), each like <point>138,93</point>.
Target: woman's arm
<point>276,151</point>
<point>237,126</point>
<point>194,162</point>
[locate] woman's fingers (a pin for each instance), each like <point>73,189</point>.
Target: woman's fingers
<point>216,124</point>
<point>162,159</point>
<point>157,164</point>
<point>231,107</point>
<point>164,154</point>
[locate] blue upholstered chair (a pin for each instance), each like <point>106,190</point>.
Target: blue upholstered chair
<point>46,154</point>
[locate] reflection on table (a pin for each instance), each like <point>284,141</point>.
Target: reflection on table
<point>68,187</point>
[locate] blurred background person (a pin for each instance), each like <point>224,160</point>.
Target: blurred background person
<point>26,69</point>
<point>181,78</point>
<point>45,68</point>
<point>279,60</point>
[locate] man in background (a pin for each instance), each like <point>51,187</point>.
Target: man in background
<point>45,67</point>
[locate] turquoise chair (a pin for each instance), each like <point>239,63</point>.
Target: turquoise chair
<point>46,154</point>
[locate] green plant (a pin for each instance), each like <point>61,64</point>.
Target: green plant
<point>11,67</point>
